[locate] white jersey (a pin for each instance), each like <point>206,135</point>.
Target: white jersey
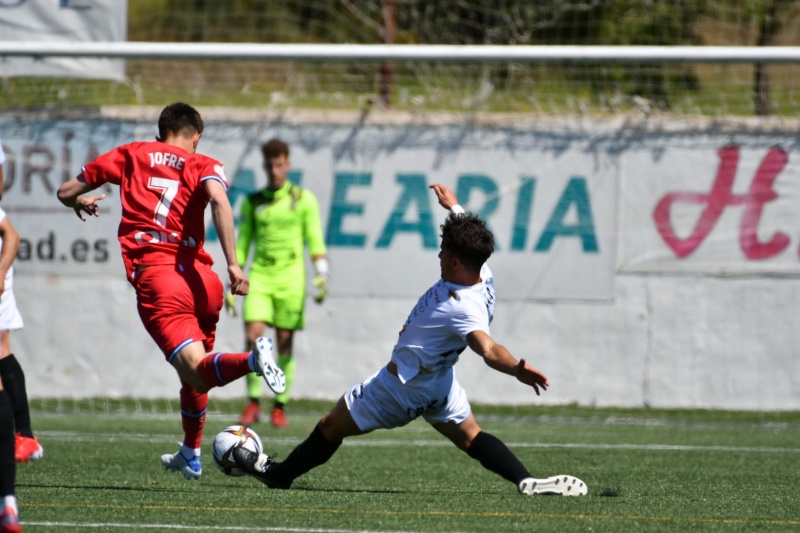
<point>435,332</point>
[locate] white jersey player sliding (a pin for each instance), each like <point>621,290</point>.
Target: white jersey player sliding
<point>419,379</point>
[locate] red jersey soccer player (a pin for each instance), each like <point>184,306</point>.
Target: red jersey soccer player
<point>164,189</point>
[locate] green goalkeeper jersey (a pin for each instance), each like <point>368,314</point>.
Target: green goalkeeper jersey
<point>280,223</point>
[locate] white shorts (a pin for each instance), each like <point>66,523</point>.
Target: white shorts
<point>10,319</point>
<point>384,402</point>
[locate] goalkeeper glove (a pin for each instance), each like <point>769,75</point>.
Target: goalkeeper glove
<point>321,283</point>
<point>321,280</point>
<point>230,304</point>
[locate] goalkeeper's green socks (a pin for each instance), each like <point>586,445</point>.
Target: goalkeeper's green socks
<point>288,365</point>
<point>253,381</point>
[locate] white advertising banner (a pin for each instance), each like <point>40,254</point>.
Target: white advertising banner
<point>68,21</point>
<point>710,205</point>
<point>549,198</point>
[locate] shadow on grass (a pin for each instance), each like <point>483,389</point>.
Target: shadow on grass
<point>193,488</point>
<point>98,487</point>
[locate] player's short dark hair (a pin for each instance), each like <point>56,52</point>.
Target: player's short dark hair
<point>179,119</point>
<point>468,238</point>
<point>274,148</point>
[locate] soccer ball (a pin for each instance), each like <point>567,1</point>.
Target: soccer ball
<point>224,443</point>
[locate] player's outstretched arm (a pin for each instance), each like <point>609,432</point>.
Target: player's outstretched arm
<point>500,359</point>
<point>70,193</point>
<point>531,376</point>
<point>446,197</point>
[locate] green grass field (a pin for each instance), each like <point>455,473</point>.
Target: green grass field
<point>647,470</point>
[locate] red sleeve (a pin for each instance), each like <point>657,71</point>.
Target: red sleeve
<point>213,169</point>
<point>108,167</point>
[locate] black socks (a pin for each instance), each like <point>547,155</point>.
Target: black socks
<point>317,450</point>
<point>14,383</point>
<point>310,453</point>
<point>495,456</point>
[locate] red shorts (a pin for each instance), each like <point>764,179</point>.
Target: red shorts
<point>179,304</point>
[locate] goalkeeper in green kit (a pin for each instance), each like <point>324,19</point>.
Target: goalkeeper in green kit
<point>278,221</point>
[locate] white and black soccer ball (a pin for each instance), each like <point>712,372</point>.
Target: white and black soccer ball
<point>224,443</point>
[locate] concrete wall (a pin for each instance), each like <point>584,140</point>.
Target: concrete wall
<point>699,317</point>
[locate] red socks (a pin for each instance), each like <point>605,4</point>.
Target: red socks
<point>193,415</point>
<point>218,369</point>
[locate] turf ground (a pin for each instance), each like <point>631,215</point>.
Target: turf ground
<point>647,470</point>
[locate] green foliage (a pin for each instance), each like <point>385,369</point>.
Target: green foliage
<point>705,89</point>
<point>232,21</point>
<point>448,22</point>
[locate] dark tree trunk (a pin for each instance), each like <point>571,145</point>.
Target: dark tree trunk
<point>768,27</point>
<point>386,66</point>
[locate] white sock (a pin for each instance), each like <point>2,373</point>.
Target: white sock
<point>10,501</point>
<point>189,452</point>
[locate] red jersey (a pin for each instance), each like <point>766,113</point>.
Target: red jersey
<point>163,200</point>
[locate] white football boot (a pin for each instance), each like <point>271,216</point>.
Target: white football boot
<point>176,462</point>
<point>562,485</point>
<point>265,365</point>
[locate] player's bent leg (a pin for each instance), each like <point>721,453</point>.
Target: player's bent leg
<point>194,406</point>
<point>220,368</point>
<point>495,456</point>
<point>193,415</point>
<point>194,399</point>
<point>186,361</point>
<point>316,450</point>
<point>338,423</point>
<point>204,371</point>
<point>461,434</point>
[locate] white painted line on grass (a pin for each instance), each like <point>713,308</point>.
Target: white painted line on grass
<point>120,525</point>
<point>548,420</point>
<point>70,436</point>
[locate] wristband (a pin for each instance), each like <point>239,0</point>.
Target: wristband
<point>457,210</point>
<point>321,267</point>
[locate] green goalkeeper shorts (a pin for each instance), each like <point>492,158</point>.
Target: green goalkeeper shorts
<point>278,306</point>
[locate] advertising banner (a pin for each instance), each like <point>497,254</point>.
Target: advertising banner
<point>63,20</point>
<point>716,205</point>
